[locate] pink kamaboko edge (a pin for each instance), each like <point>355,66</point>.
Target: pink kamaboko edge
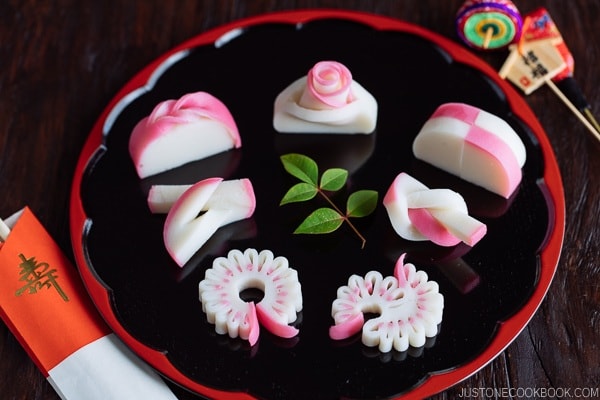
<point>201,210</point>
<point>474,145</point>
<point>408,304</point>
<point>282,300</point>
<point>193,127</point>
<point>440,215</point>
<point>326,100</point>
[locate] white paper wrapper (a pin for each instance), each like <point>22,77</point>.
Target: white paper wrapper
<point>44,304</point>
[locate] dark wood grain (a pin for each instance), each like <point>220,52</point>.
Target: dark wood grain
<point>62,61</point>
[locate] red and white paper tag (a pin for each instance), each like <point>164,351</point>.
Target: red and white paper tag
<point>531,64</point>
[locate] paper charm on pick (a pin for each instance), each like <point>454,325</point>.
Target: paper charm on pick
<point>542,57</point>
<point>531,64</point>
<point>539,26</point>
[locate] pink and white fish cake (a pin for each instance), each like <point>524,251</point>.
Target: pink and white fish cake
<point>196,126</point>
<point>474,145</point>
<point>409,308</point>
<point>229,276</point>
<point>326,100</point>
<point>440,215</point>
<point>197,211</point>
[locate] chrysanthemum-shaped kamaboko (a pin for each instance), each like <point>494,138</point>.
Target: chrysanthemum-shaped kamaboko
<point>229,276</point>
<point>409,308</point>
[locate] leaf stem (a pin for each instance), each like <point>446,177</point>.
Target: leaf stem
<point>345,217</point>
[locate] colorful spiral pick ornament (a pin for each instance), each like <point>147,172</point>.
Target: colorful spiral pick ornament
<point>488,24</point>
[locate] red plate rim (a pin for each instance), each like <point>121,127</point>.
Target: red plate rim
<point>507,331</point>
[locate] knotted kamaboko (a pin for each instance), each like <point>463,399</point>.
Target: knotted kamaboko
<point>439,215</point>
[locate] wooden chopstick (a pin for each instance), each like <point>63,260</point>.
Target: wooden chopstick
<point>4,231</point>
<point>573,109</point>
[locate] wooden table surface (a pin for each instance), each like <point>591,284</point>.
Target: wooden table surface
<point>62,61</point>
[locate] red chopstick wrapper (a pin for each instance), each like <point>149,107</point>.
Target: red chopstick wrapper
<point>44,304</point>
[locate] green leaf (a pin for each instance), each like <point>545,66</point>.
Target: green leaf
<point>325,220</point>
<point>322,220</point>
<point>334,179</point>
<point>299,192</point>
<point>361,203</point>
<point>302,167</point>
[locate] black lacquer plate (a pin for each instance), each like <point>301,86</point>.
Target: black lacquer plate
<point>153,304</point>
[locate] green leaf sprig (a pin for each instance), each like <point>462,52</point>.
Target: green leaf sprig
<point>325,220</point>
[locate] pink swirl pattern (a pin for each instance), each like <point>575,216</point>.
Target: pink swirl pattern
<point>329,83</point>
<point>326,100</point>
<point>409,305</point>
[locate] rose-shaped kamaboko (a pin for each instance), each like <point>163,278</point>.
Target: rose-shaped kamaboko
<point>328,85</point>
<point>326,100</point>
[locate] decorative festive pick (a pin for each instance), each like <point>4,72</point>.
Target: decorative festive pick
<point>531,64</point>
<point>490,24</point>
<point>539,26</point>
<point>541,57</point>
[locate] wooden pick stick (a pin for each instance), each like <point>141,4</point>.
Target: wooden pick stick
<point>590,117</point>
<point>488,37</point>
<point>574,109</point>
